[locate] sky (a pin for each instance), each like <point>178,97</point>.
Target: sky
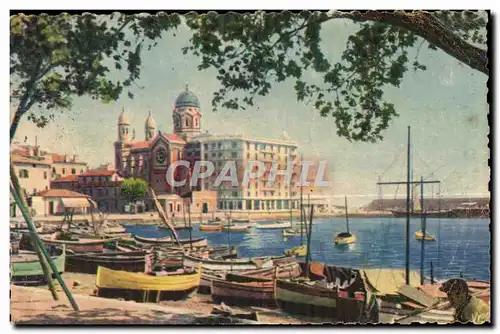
<point>445,106</point>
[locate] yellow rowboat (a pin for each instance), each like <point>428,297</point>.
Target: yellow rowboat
<point>419,235</point>
<point>290,232</point>
<point>344,238</point>
<point>143,287</point>
<point>297,251</point>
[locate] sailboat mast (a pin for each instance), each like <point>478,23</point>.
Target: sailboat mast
<point>346,214</point>
<point>301,203</point>
<point>423,222</point>
<point>408,186</point>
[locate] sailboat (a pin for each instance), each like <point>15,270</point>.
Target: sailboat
<point>345,238</point>
<point>300,250</point>
<point>290,232</point>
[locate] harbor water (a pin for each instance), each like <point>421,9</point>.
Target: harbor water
<point>462,247</point>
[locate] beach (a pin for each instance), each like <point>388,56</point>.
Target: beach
<point>34,305</point>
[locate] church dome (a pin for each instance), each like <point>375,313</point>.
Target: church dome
<point>150,122</point>
<point>187,99</point>
<point>123,119</point>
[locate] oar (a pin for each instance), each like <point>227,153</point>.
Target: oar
<point>432,307</point>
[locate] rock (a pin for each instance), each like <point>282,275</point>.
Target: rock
<point>76,283</point>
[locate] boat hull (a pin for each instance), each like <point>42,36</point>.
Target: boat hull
<point>210,228</point>
<point>344,240</point>
<point>297,251</point>
<point>124,261</point>
<point>243,294</point>
<point>31,273</point>
<point>142,288</point>
<point>428,237</point>
<point>230,265</point>
<point>273,226</point>
<point>195,242</point>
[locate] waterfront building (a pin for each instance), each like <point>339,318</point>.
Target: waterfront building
<point>150,158</point>
<point>64,164</point>
<point>59,201</point>
<point>102,185</point>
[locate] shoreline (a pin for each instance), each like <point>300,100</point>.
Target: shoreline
<point>152,218</point>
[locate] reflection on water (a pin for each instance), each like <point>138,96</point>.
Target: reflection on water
<point>463,245</point>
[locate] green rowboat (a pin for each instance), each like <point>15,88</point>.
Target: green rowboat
<point>26,268</point>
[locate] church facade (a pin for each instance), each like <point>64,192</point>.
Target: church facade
<point>150,158</point>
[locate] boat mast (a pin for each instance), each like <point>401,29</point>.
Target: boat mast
<point>301,203</point>
<point>408,185</point>
<point>423,222</point>
<point>190,226</point>
<point>309,235</point>
<point>346,214</point>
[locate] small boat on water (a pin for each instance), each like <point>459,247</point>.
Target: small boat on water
<point>290,232</point>
<point>276,225</point>
<point>25,268</point>
<point>195,242</point>
<point>419,235</point>
<point>335,294</point>
<point>237,228</point>
<point>241,221</point>
<point>300,250</point>
<point>152,287</point>
<point>211,227</point>
<point>132,261</point>
<point>345,238</point>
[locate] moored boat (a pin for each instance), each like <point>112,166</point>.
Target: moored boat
<point>331,293</point>
<point>80,245</point>
<point>195,242</point>
<point>211,227</point>
<point>344,238</point>
<point>229,264</point>
<point>276,225</point>
<point>133,261</point>
<point>237,228</point>
<point>243,294</point>
<point>419,235</point>
<point>25,268</point>
<point>290,232</point>
<point>143,287</point>
<point>300,250</point>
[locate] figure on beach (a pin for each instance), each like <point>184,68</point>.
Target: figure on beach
<point>468,308</point>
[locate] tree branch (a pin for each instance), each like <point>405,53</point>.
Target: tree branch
<point>425,25</point>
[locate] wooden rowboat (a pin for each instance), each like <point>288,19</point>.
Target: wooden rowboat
<point>243,294</point>
<point>300,250</point>
<point>142,287</point>
<point>287,270</point>
<point>211,227</point>
<point>273,226</point>
<point>335,294</point>
<point>132,261</point>
<point>237,228</point>
<point>195,242</point>
<point>228,265</point>
<point>81,245</point>
<point>25,268</point>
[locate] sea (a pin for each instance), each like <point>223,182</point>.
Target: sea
<point>462,248</point>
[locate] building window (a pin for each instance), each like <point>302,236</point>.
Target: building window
<point>54,170</point>
<point>23,174</point>
<point>81,171</point>
<point>64,171</point>
<point>45,175</point>
<point>73,171</point>
<point>219,145</point>
<point>234,145</point>
<point>234,154</point>
<point>235,194</point>
<point>205,146</point>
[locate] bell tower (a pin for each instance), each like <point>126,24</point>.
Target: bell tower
<point>123,127</point>
<point>186,115</point>
<point>150,127</point>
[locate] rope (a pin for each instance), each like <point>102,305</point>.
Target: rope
<point>392,163</point>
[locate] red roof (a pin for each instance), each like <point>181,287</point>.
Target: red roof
<point>173,137</point>
<point>69,178</point>
<point>58,157</point>
<point>140,144</point>
<point>99,172</point>
<point>61,193</point>
<point>27,160</point>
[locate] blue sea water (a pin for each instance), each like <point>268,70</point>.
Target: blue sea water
<point>462,246</point>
